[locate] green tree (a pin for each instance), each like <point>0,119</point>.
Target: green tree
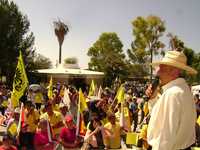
<point>193,58</point>
<point>60,29</point>
<point>147,32</point>
<point>107,55</point>
<point>41,62</point>
<point>14,36</point>
<point>196,65</point>
<point>175,43</point>
<point>72,60</point>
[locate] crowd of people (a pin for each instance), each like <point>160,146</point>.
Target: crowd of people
<point>47,123</point>
<point>101,119</point>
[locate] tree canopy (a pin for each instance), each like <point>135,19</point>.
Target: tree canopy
<point>147,32</point>
<point>193,58</point>
<point>71,60</point>
<point>41,62</point>
<point>107,55</point>
<point>15,35</point>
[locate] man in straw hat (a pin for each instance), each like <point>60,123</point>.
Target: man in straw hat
<point>172,122</point>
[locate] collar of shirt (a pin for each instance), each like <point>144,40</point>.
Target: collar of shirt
<point>172,83</point>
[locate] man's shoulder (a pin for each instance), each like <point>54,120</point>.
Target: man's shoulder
<point>44,116</point>
<point>36,112</point>
<point>107,125</point>
<point>64,129</point>
<point>57,113</point>
<point>176,86</point>
<point>176,89</point>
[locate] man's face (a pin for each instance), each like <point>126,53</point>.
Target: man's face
<point>164,72</point>
<point>112,120</point>
<point>64,110</point>
<point>49,110</point>
<point>43,125</point>
<point>69,124</point>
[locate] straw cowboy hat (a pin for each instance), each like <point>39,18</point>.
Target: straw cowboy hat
<point>176,59</point>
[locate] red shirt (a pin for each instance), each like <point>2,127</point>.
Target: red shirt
<point>2,147</point>
<point>41,138</point>
<point>68,135</point>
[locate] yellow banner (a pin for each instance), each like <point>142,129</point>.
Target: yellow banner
<point>92,89</point>
<point>82,101</point>
<point>50,89</point>
<point>132,138</point>
<point>120,94</point>
<point>20,82</point>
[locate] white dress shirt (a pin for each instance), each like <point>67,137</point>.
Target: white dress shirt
<point>173,117</point>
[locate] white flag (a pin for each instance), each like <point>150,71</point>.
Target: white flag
<point>66,99</point>
<point>100,92</point>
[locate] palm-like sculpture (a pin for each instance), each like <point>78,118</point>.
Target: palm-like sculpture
<point>61,29</point>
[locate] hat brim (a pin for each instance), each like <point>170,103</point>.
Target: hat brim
<point>177,65</point>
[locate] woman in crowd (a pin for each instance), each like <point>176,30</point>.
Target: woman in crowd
<point>41,138</point>
<point>31,119</point>
<point>68,137</point>
<point>95,134</point>
<point>113,139</point>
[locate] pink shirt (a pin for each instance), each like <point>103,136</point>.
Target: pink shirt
<point>6,148</point>
<point>68,135</point>
<point>41,138</point>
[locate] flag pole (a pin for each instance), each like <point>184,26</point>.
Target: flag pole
<point>78,116</point>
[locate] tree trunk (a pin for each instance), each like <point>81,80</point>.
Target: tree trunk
<point>151,68</point>
<point>60,50</point>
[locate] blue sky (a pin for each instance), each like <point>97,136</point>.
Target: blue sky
<point>89,18</point>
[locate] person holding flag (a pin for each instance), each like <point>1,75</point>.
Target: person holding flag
<point>54,117</point>
<point>113,140</point>
<point>68,138</point>
<point>41,139</point>
<point>29,126</point>
<point>123,112</point>
<point>13,123</point>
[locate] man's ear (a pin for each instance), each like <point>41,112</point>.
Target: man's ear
<point>176,72</point>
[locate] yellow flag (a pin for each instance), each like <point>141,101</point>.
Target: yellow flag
<point>13,129</point>
<point>120,94</point>
<point>143,132</point>
<point>92,89</point>
<point>145,108</point>
<point>20,82</point>
<point>62,91</point>
<point>50,90</point>
<point>132,138</point>
<point>198,120</point>
<point>4,103</point>
<point>82,102</point>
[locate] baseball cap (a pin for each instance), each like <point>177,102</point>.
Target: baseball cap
<point>68,118</point>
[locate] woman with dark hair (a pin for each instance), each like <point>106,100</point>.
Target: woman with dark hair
<point>28,129</point>
<point>95,134</point>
